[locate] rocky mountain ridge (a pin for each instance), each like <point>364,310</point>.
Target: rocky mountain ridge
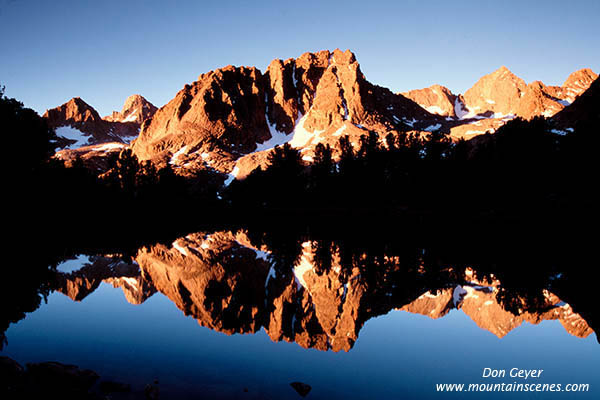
<point>233,115</point>
<point>499,97</point>
<point>79,125</point>
<point>230,119</point>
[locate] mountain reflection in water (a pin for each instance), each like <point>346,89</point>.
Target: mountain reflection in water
<point>317,293</point>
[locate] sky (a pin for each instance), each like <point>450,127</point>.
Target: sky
<point>104,51</point>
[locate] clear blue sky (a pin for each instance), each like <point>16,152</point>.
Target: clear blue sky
<point>103,51</point>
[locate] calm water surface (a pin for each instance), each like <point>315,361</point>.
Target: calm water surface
<point>211,316</point>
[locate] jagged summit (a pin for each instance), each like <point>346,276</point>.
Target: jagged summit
<point>496,93</point>
<point>73,111</point>
<point>583,76</point>
<point>78,124</point>
<point>136,109</point>
<point>231,118</point>
<point>436,99</point>
<point>235,112</point>
<point>585,110</point>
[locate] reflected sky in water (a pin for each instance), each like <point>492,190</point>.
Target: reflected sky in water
<point>397,355</point>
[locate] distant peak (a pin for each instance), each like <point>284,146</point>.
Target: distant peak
<point>77,104</point>
<point>502,70</point>
<point>134,99</point>
<point>584,75</point>
<point>78,101</point>
<point>344,57</point>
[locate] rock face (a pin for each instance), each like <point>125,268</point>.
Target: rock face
<point>577,83</point>
<point>236,112</point>
<point>221,113</point>
<point>497,98</point>
<point>539,99</point>
<point>436,99</point>
<point>136,109</point>
<point>230,119</point>
<point>585,110</point>
<point>78,124</point>
<point>498,92</point>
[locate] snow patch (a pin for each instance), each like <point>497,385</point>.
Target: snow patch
<point>435,110</point>
<point>110,146</point>
<point>460,109</point>
<point>340,130</point>
<point>433,128</point>
<point>301,137</point>
<point>68,132</point>
<point>129,139</point>
<point>548,113</point>
<point>232,176</point>
<point>407,122</point>
<point>558,132</point>
<point>277,138</point>
<point>180,249</point>
<point>179,153</point>
<point>130,118</point>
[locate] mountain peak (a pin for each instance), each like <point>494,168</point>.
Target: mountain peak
<point>136,109</point>
<point>584,110</point>
<point>436,99</point>
<point>580,78</point>
<point>79,103</point>
<point>343,57</point>
<point>496,93</point>
<point>75,110</point>
<point>233,114</point>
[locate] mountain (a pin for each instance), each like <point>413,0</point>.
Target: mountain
<point>236,113</point>
<point>499,97</point>
<point>501,94</point>
<point>577,83</point>
<point>78,124</point>
<point>230,119</point>
<point>497,93</point>
<point>136,109</point>
<point>436,99</point>
<point>584,112</point>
